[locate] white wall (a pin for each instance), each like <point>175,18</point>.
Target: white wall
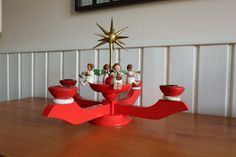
<point>38,24</point>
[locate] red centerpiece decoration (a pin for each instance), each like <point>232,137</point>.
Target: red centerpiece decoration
<point>111,111</point>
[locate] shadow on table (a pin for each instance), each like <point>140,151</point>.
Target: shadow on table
<point>2,155</point>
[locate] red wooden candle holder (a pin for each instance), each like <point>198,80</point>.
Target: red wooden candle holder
<point>68,82</point>
<point>60,92</point>
<point>172,90</point>
<point>111,111</point>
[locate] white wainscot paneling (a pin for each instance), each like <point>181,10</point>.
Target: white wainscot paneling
<point>133,56</point>
<point>70,65</point>
<point>181,71</point>
<point>103,58</point>
<point>154,74</point>
<point>3,77</point>
<point>234,84</point>
<point>26,65</point>
<point>212,80</point>
<point>86,57</point>
<point>13,76</point>
<point>55,69</point>
<point>40,78</point>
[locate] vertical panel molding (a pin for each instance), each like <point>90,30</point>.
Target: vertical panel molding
<point>154,74</point>
<point>96,65</point>
<point>26,75</point>
<point>32,74</point>
<point>86,56</point>
<point>167,65</point>
<point>229,80</point>
<point>117,55</point>
<point>181,69</point>
<point>19,75</point>
<point>8,77</point>
<point>14,76</point>
<point>61,65</point>
<point>141,51</point>
<point>212,79</point>
<point>130,57</point>
<point>233,93</point>
<point>77,67</point>
<point>196,80</point>
<point>46,75</point>
<point>3,77</point>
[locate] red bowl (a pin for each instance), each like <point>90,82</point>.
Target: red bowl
<point>109,88</point>
<point>172,90</point>
<point>60,92</point>
<point>68,82</point>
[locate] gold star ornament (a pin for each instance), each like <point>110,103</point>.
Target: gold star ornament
<point>112,37</point>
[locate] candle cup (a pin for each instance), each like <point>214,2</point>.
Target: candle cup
<point>60,92</point>
<point>171,90</point>
<point>68,82</point>
<point>108,91</point>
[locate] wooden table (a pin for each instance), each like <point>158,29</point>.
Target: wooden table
<point>24,133</point>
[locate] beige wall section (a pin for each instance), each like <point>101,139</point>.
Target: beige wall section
<point>49,24</point>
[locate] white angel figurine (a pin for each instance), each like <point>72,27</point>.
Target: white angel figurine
<point>105,72</point>
<point>117,74</point>
<point>130,75</point>
<point>90,76</point>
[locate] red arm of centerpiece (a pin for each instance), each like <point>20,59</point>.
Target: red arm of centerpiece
<point>131,97</point>
<point>74,114</point>
<point>83,102</point>
<point>160,109</point>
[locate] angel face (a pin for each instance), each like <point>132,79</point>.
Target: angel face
<point>129,67</point>
<point>106,67</point>
<point>117,67</point>
<point>90,66</point>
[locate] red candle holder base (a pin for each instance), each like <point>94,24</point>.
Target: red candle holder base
<point>111,111</point>
<point>112,120</point>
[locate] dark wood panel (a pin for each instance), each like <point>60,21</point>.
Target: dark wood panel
<point>24,133</point>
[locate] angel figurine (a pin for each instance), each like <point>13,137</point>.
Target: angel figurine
<point>117,76</point>
<point>89,75</point>
<point>105,72</point>
<point>130,75</point>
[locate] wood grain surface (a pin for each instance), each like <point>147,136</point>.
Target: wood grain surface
<point>24,133</point>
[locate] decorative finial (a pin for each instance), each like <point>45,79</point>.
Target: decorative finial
<point>112,37</point>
